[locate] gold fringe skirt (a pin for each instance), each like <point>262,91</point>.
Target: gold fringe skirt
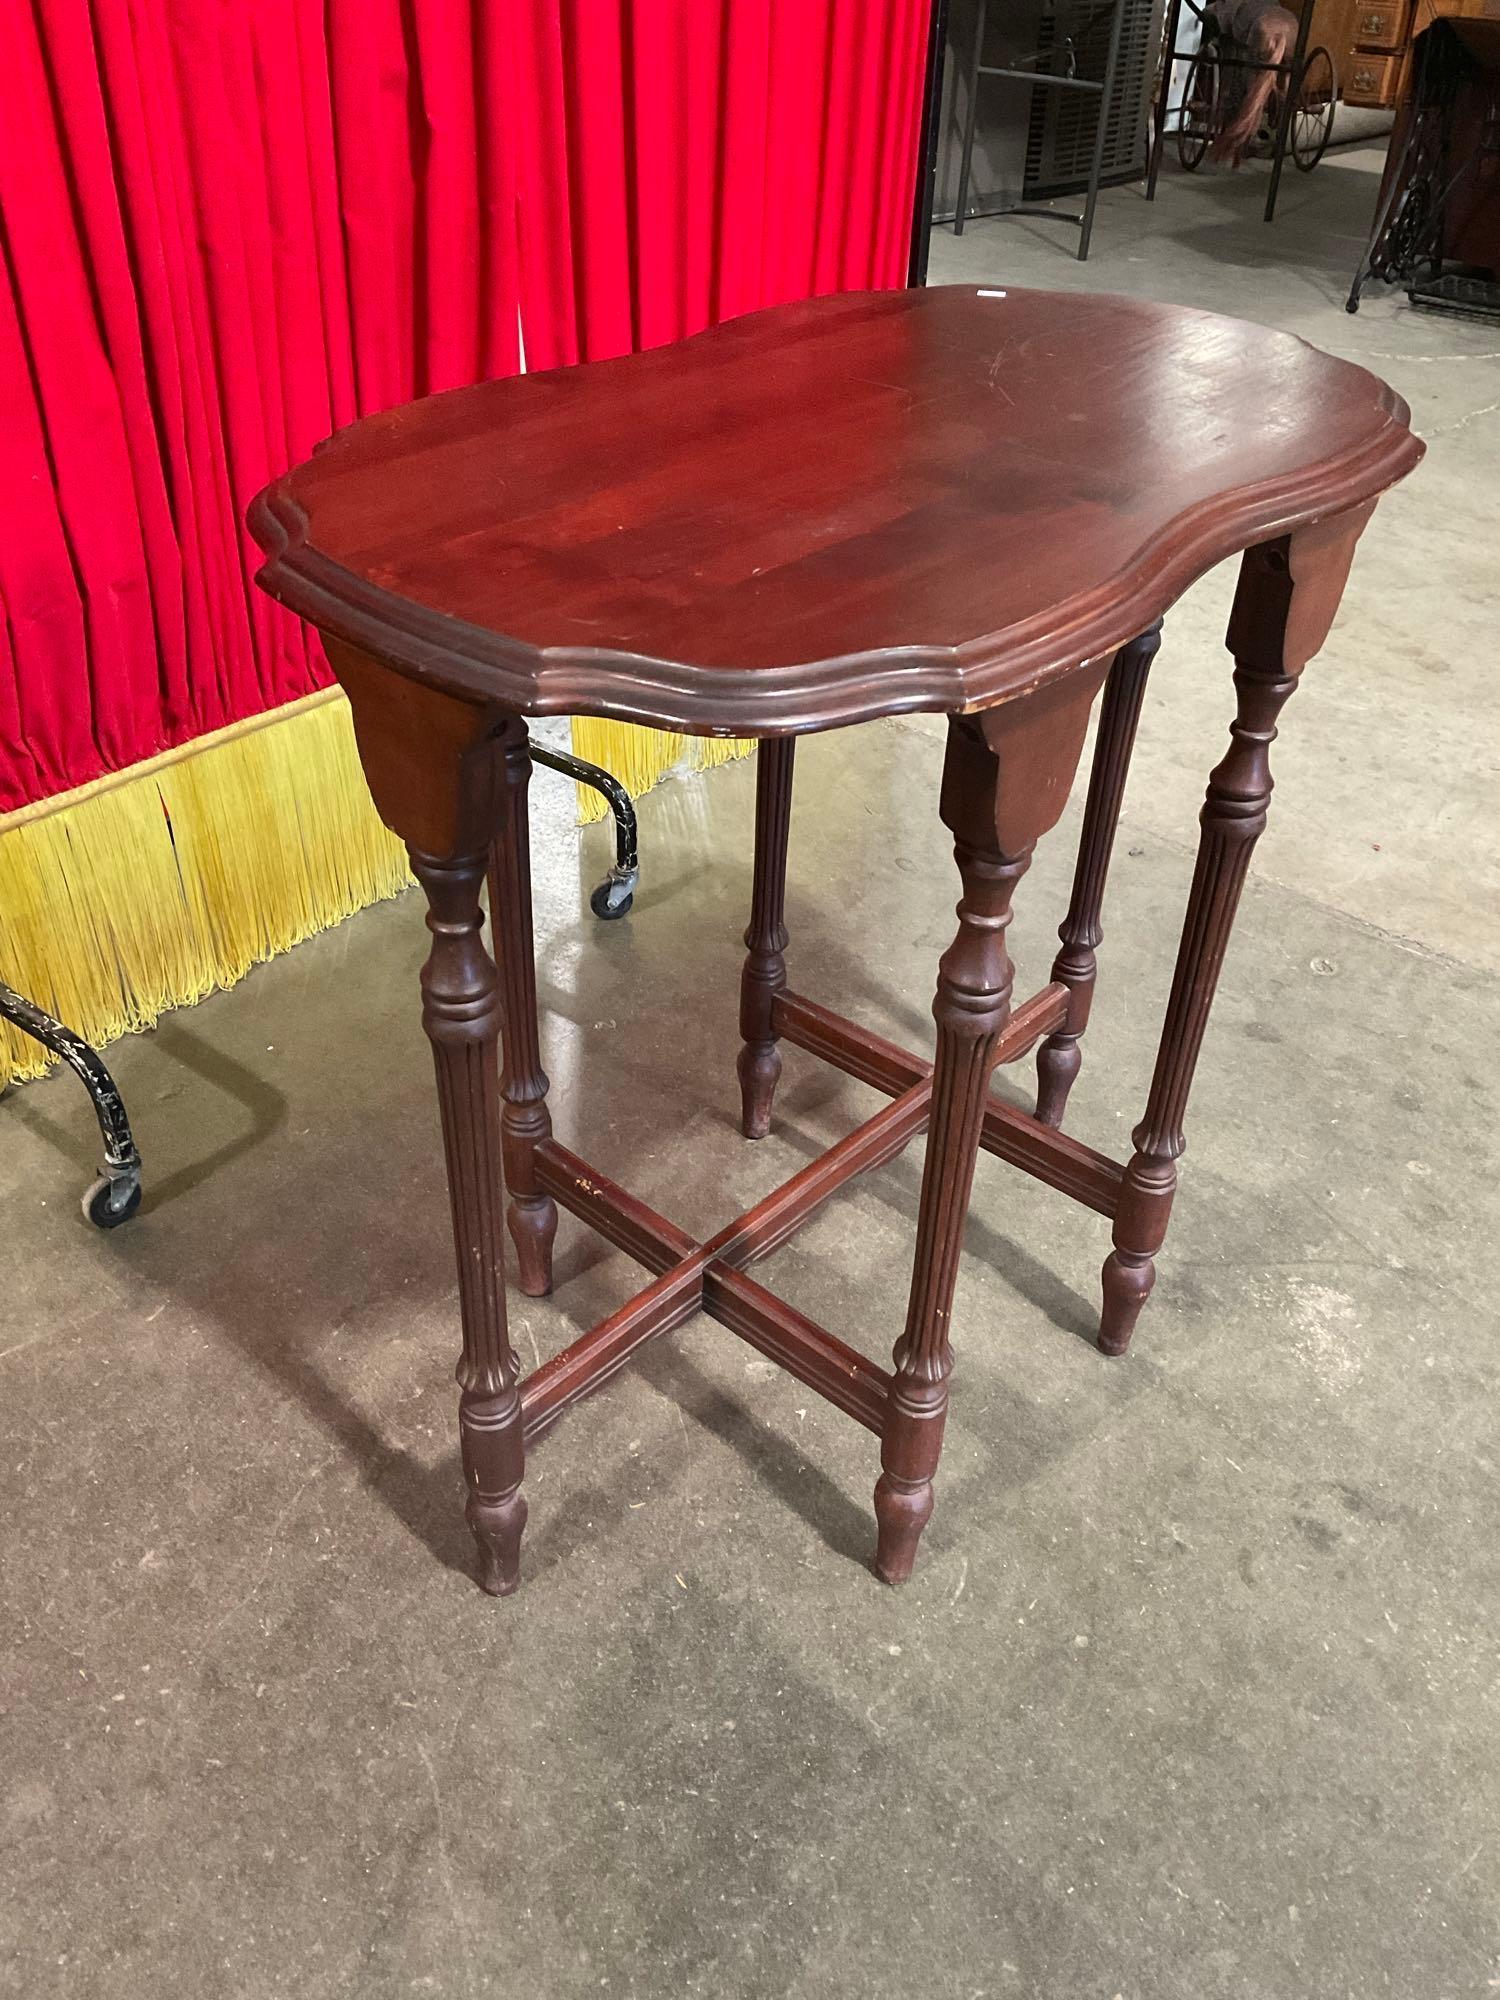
<point>154,886</point>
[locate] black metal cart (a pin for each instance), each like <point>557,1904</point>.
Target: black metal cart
<point>616,892</point>
<point>115,1193</point>
<point>1309,96</point>
<point>1435,166</point>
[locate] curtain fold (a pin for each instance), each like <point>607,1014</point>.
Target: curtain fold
<point>226,230</point>
<point>682,161</point>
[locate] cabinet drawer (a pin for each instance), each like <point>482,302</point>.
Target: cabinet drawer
<point>1380,24</point>
<point>1372,80</point>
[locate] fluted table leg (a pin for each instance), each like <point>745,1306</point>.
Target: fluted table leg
<point>524,1119</point>
<point>1288,593</point>
<point>970,1008</point>
<point>1233,818</point>
<point>764,974</point>
<point>1060,1057</point>
<point>440,775</point>
<point>461,1013</point>
<point>1005,780</point>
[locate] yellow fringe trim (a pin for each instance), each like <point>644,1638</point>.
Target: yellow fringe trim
<point>154,886</point>
<point>157,885</point>
<point>638,757</point>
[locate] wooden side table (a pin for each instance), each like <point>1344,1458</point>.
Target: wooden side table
<point>979,502</point>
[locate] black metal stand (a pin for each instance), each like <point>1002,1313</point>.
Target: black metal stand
<point>1170,59</point>
<point>616,892</point>
<point>1043,80</point>
<point>1291,70</point>
<point>925,193</point>
<point>1407,238</point>
<point>116,1194</point>
<point>1289,103</point>
<point>1402,226</point>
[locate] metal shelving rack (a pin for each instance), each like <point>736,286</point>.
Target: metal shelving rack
<point>1102,88</point>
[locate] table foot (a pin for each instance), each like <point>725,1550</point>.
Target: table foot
<point>1141,1217</point>
<point>532,1222</point>
<point>1058,1062</point>
<point>490,1438</point>
<point>903,1507</point>
<point>497,1530</point>
<point>1127,1280</point>
<point>758,1066</point>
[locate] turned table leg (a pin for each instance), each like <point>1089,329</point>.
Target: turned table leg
<point>442,774</point>
<point>970,1008</point>
<point>1060,1057</point>
<point>764,975</point>
<point>524,1120</point>
<point>1287,595</point>
<point>1005,781</point>
<point>461,1013</point>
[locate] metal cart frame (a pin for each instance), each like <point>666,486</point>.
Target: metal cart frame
<point>115,1193</point>
<point>1290,71</point>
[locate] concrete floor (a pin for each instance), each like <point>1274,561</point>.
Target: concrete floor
<point>1193,1694</point>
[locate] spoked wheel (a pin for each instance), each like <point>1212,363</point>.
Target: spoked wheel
<point>1312,115</point>
<point>1196,121</point>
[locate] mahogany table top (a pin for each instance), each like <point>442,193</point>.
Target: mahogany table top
<point>848,507</point>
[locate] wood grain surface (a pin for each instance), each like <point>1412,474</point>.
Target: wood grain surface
<point>828,511</point>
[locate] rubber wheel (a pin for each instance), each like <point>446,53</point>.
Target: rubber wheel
<point>1200,104</point>
<point>1312,117</point>
<point>607,904</point>
<point>107,1209</point>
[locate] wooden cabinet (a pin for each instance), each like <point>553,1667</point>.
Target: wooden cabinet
<point>1382,26</point>
<point>1372,79</point>
<point>1378,52</point>
<point>1332,28</point>
<point>1368,40</point>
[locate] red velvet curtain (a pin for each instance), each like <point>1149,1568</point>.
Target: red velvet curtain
<point>227,229</point>
<point>681,161</point>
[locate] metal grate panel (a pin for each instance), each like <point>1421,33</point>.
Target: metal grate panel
<point>1060,134</point>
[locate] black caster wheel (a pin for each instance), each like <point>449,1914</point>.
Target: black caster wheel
<point>109,1202</point>
<point>607,901</point>
<point>614,896</point>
